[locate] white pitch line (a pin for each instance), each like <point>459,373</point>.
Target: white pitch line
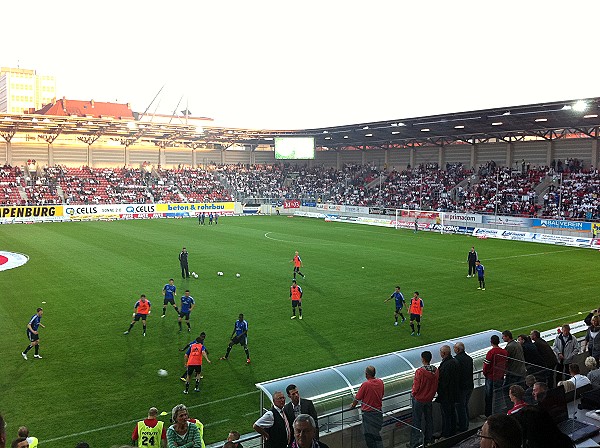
<point>546,322</point>
<point>525,255</point>
<point>116,425</point>
<point>275,239</point>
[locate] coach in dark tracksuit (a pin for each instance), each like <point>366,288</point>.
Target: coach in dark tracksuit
<point>183,262</point>
<point>471,259</point>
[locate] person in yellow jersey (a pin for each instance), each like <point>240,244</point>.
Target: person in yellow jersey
<point>150,432</point>
<point>24,432</point>
<point>200,427</point>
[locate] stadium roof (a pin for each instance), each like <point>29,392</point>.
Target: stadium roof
<point>546,121</point>
<point>543,121</point>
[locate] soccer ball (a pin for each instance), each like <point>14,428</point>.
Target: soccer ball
<point>162,372</point>
<point>194,275</point>
<point>219,273</point>
<point>237,275</point>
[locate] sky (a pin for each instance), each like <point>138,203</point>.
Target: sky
<point>304,64</point>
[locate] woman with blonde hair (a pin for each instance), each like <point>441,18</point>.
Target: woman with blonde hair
<point>594,373</point>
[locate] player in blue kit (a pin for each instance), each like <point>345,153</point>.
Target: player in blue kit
<point>33,335</point>
<point>480,274</point>
<point>187,305</point>
<point>399,298</point>
<point>239,335</point>
<point>169,292</point>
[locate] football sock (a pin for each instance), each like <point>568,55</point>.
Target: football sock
<point>179,325</point>
<point>130,326</point>
<point>37,349</point>
<point>300,311</point>
<point>144,329</point>
<point>164,310</point>
<point>176,310</point>
<point>396,318</point>
<point>418,328</point>
<point>247,353</point>
<point>412,327</point>
<point>402,316</point>
<point>228,351</point>
<point>29,347</point>
<point>187,385</point>
<point>188,325</point>
<point>197,383</point>
<point>301,274</point>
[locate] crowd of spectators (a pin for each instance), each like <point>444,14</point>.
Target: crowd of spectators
<point>11,177</point>
<point>571,193</point>
<point>576,196</point>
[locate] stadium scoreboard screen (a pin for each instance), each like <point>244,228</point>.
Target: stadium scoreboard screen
<point>294,148</point>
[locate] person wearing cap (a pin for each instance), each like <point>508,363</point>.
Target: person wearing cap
<point>150,432</point>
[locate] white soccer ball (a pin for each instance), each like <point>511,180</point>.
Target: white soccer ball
<point>237,275</point>
<point>219,273</point>
<point>162,372</point>
<point>194,275</point>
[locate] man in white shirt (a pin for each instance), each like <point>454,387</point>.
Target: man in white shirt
<point>274,425</point>
<point>577,378</point>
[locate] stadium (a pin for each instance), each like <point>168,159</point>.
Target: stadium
<point>97,201</point>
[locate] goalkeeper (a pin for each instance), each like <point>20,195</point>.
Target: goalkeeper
<point>239,336</point>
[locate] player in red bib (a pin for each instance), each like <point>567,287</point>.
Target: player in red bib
<point>193,361</point>
<point>141,311</point>
<point>297,264</point>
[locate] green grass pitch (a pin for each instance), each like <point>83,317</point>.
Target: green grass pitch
<point>93,382</point>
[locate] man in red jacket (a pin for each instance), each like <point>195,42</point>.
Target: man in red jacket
<point>424,388</point>
<point>494,367</point>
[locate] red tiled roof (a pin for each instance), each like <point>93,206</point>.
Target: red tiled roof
<point>96,109</point>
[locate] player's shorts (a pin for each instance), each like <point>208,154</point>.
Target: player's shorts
<point>398,309</point>
<point>139,316</point>
<point>416,317</point>
<point>32,337</point>
<point>171,301</point>
<point>194,368</point>
<point>296,268</point>
<point>242,340</point>
<point>296,303</point>
<point>186,315</point>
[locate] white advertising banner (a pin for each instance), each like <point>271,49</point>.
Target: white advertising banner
<point>562,240</point>
<point>462,217</point>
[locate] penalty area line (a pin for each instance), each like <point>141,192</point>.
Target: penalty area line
<point>116,425</point>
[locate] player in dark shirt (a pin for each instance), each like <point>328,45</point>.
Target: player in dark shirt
<point>33,335</point>
<point>187,305</point>
<point>480,274</point>
<point>239,335</point>
<point>183,262</point>
<point>471,259</point>
<point>169,292</point>
<point>399,299</point>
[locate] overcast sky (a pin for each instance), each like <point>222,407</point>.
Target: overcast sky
<point>297,64</point>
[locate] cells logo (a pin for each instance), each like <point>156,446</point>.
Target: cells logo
<point>10,260</point>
